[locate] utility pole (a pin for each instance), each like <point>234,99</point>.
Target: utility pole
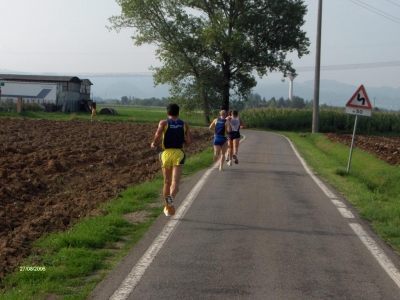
<point>317,71</point>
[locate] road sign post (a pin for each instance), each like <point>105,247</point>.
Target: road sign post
<point>352,144</point>
<point>358,105</point>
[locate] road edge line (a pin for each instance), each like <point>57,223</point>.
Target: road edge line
<point>365,238</point>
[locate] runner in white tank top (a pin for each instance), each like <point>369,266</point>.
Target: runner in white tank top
<point>234,137</point>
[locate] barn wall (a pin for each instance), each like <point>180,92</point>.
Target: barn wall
<point>70,101</point>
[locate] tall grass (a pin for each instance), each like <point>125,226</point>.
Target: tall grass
<point>330,120</point>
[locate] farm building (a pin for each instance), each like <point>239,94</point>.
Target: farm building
<point>65,93</point>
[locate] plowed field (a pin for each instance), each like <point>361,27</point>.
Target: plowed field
<point>53,173</point>
<point>384,148</point>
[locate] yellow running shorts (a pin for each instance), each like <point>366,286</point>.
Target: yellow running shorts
<point>172,157</point>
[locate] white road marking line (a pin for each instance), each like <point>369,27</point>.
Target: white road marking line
<point>345,213</point>
<point>338,203</point>
<point>377,252</point>
<point>368,241</point>
<point>133,278</point>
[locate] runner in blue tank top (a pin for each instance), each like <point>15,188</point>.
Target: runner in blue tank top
<point>221,127</point>
<point>173,134</point>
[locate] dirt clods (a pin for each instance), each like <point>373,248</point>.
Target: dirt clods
<point>53,173</point>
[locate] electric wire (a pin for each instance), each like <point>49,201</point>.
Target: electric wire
<point>393,3</point>
<point>391,18</point>
<point>381,11</point>
<point>352,66</point>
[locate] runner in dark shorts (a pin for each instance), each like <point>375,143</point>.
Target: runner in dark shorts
<point>221,127</point>
<point>234,137</point>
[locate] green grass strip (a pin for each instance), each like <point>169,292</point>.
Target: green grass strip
<point>75,261</point>
<point>371,185</point>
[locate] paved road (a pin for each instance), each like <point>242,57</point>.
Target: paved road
<point>262,229</point>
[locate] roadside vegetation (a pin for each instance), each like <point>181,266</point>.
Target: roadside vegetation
<point>371,185</point>
<point>70,264</point>
<point>330,120</point>
<point>77,260</point>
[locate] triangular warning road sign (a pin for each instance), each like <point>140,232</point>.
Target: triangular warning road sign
<point>360,99</point>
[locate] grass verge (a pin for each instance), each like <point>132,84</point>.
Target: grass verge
<point>371,185</point>
<point>70,264</point>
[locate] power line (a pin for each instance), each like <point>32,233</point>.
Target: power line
<point>393,3</point>
<point>302,69</point>
<point>391,18</point>
<point>352,66</point>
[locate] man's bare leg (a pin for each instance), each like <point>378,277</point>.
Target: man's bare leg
<point>217,150</point>
<point>176,178</point>
<point>167,174</point>
<point>235,150</point>
<point>224,147</point>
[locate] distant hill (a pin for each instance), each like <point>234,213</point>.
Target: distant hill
<point>332,92</point>
<point>117,87</point>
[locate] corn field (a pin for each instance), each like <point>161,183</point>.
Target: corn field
<point>330,120</point>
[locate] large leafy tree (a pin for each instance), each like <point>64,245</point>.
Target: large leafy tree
<point>234,37</point>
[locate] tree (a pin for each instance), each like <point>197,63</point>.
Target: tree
<point>272,102</point>
<point>309,104</point>
<point>124,100</point>
<point>254,100</point>
<point>280,103</point>
<point>238,37</point>
<point>297,102</point>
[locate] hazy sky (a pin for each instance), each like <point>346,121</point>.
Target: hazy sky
<point>69,37</point>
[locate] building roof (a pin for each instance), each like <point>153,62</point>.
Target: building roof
<point>86,82</point>
<point>40,78</point>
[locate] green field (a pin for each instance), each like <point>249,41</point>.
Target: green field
<point>131,114</point>
<point>77,260</point>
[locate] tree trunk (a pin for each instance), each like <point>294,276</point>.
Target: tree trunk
<point>206,108</point>
<point>226,88</point>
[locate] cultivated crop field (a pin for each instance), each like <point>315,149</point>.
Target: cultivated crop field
<point>385,148</point>
<point>53,173</point>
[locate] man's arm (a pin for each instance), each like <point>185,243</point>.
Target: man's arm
<point>228,125</point>
<point>212,125</point>
<point>242,125</point>
<point>158,134</point>
<point>189,136</point>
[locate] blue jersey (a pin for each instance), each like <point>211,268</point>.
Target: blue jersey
<point>220,127</point>
<point>174,134</point>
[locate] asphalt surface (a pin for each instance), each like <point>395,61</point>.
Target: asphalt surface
<point>262,229</point>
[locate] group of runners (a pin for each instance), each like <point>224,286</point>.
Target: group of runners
<point>173,134</point>
<point>227,136</point>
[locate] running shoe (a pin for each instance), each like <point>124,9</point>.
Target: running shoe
<point>230,163</point>
<point>220,168</point>
<point>226,157</point>
<point>235,158</point>
<point>169,209</point>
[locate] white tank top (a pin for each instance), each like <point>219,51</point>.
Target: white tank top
<point>235,123</point>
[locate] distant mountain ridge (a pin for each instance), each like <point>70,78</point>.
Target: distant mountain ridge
<point>332,92</point>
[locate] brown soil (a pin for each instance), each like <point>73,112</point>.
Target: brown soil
<point>53,173</point>
<point>384,148</point>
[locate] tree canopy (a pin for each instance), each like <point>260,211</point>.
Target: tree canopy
<point>211,49</point>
